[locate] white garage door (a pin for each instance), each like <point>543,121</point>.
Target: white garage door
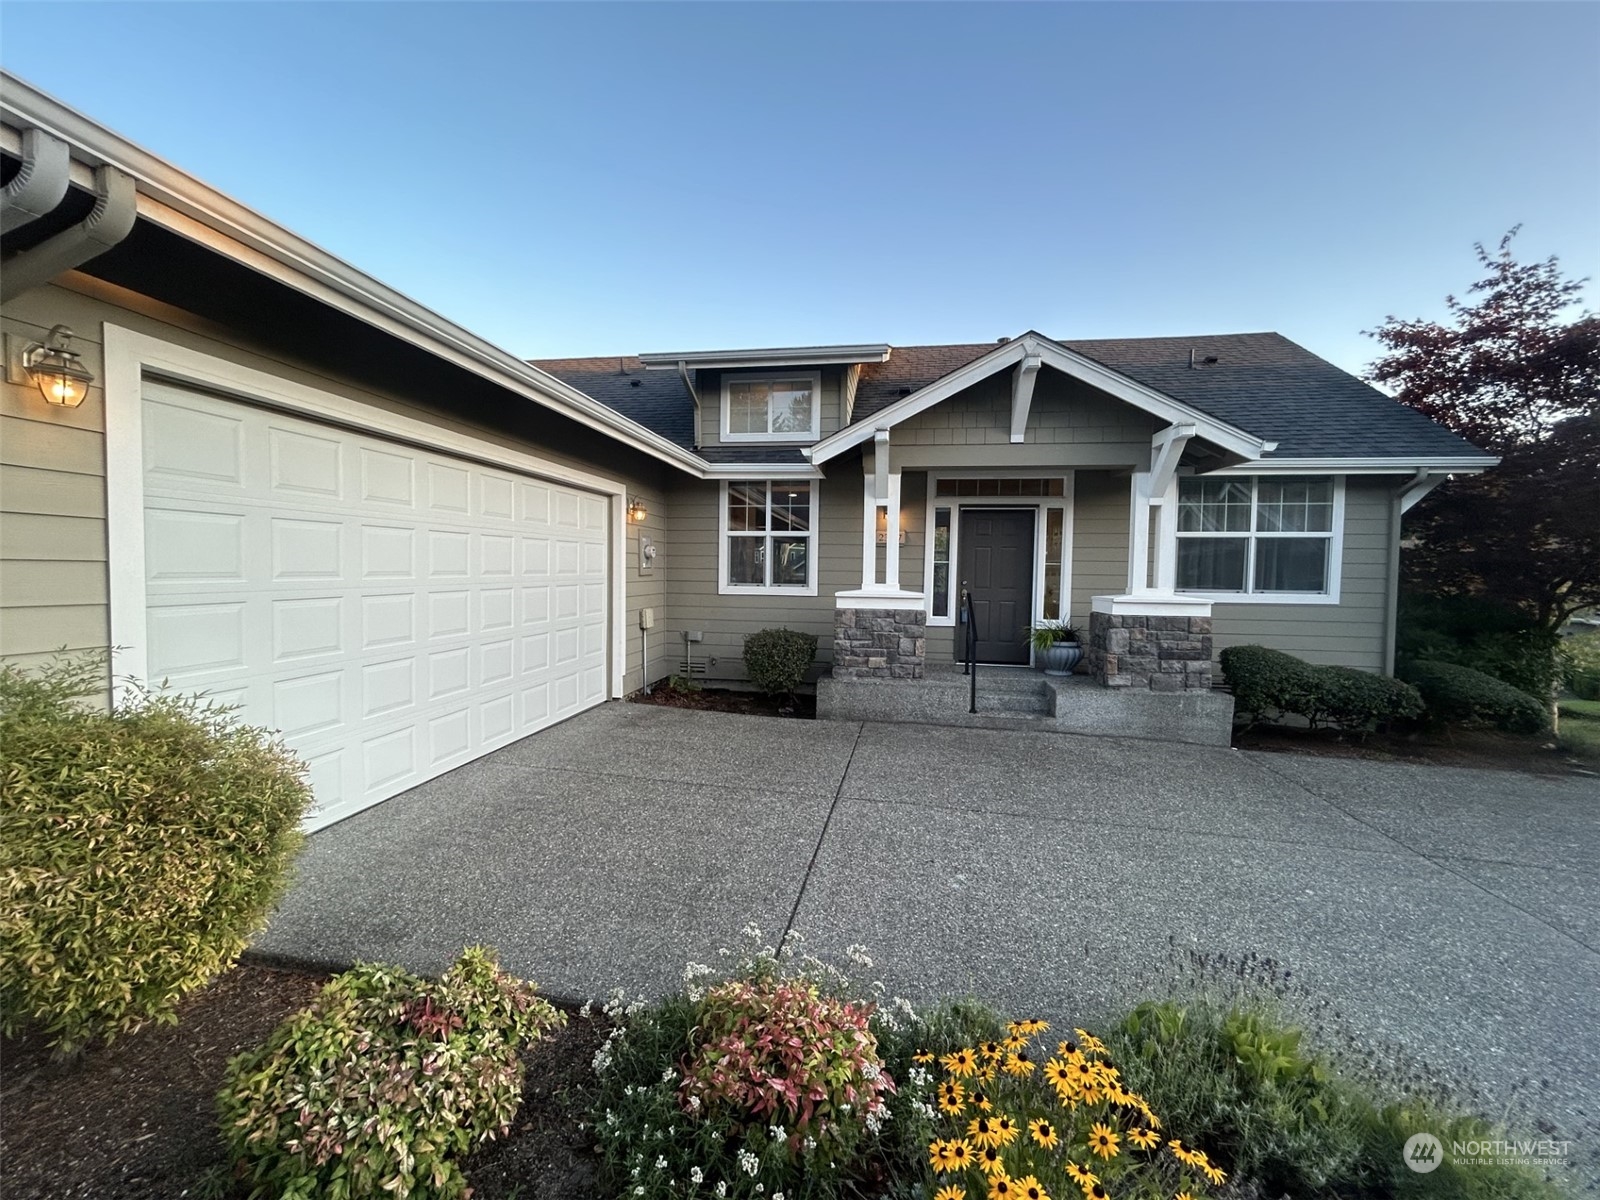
<point>394,612</point>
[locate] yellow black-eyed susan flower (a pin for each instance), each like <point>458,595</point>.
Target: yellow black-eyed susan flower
<point>951,1191</point>
<point>961,1063</point>
<point>1020,1065</point>
<point>1083,1071</point>
<point>950,1096</point>
<point>986,1073</point>
<point>1005,1129</point>
<point>1001,1187</point>
<point>1213,1173</point>
<point>1103,1140</point>
<point>1043,1133</point>
<point>1081,1176</point>
<point>1144,1139</point>
<point>1096,1191</point>
<point>1058,1074</point>
<point>990,1050</point>
<point>1069,1050</point>
<point>979,1100</point>
<point>961,1155</point>
<point>1015,1041</point>
<point>990,1160</point>
<point>922,1056</point>
<point>1090,1043</point>
<point>1183,1196</point>
<point>982,1131</point>
<point>1031,1189</point>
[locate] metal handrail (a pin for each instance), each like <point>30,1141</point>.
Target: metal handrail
<point>969,618</point>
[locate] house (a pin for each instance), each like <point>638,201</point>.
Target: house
<point>258,471</point>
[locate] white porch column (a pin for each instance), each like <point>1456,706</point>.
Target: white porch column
<point>1139,534</point>
<point>1167,540</point>
<point>891,548</point>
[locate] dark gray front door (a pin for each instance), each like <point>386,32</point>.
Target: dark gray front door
<point>996,564</point>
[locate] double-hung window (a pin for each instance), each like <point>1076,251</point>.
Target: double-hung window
<point>772,408</point>
<point>1270,536</point>
<point>768,537</point>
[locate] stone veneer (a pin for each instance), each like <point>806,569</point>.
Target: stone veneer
<point>1163,654</point>
<point>879,643</point>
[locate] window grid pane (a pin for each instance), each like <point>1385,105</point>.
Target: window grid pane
<point>1212,564</point>
<point>1291,565</point>
<point>1054,607</point>
<point>941,562</point>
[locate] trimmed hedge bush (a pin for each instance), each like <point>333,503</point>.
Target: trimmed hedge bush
<point>1461,696</point>
<point>383,1083</point>
<point>1473,632</point>
<point>142,848</point>
<point>778,659</point>
<point>1269,684</point>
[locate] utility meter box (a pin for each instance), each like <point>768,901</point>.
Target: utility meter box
<point>647,618</point>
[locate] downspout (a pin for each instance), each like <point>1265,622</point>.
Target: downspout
<point>1391,598</point>
<point>694,394</point>
<point>39,184</point>
<point>115,208</point>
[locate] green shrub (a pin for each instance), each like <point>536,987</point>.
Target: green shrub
<point>1581,661</point>
<point>1461,696</point>
<point>1239,1081</point>
<point>1268,684</point>
<point>678,1110</point>
<point>1382,1171</point>
<point>1472,632</point>
<point>383,1083</point>
<point>142,847</point>
<point>778,659</point>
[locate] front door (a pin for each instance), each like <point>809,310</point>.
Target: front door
<point>996,566</point>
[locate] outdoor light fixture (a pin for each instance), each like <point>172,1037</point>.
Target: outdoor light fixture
<point>636,510</point>
<point>58,370</point>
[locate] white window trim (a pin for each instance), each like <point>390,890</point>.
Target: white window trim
<point>1335,556</point>
<point>129,355</point>
<point>725,588</point>
<point>815,378</point>
<point>1042,503</point>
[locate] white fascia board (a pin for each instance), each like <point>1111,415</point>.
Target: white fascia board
<point>761,471</point>
<point>1359,466</point>
<point>1076,365</point>
<point>176,200</point>
<point>784,356</point>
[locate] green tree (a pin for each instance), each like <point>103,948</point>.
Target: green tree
<point>1516,370</point>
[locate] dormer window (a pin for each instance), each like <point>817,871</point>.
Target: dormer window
<point>772,408</point>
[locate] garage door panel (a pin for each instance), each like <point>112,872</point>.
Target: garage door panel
<point>395,613</point>
<point>302,464</point>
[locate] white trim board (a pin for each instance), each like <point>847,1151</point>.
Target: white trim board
<point>1069,362</point>
<point>1358,466</point>
<point>129,355</point>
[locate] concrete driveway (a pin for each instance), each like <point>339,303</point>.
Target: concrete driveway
<point>1453,912</point>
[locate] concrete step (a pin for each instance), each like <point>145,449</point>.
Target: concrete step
<point>1016,699</point>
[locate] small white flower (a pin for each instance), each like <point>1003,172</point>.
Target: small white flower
<point>722,1187</point>
<point>696,1175</point>
<point>776,1133</point>
<point>661,1162</point>
<point>749,1163</point>
<point>668,1075</point>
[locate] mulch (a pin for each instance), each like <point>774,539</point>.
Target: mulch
<point>729,701</point>
<point>136,1120</point>
<point>1475,748</point>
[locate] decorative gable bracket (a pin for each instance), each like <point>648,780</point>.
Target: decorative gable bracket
<point>1023,376</point>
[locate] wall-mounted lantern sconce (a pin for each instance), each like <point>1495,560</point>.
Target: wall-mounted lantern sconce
<point>636,510</point>
<point>58,369</point>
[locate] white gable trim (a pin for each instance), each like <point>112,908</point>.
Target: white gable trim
<point>1067,361</point>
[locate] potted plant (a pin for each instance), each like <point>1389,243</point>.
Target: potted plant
<point>1057,647</point>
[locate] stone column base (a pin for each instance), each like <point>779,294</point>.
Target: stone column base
<point>1158,653</point>
<point>879,643</point>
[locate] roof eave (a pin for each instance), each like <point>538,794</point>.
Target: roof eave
<point>782,356</point>
<point>173,199</point>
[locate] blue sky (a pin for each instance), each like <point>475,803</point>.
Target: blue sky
<point>612,178</point>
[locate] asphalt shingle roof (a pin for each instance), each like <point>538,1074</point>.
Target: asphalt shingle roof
<point>1261,383</point>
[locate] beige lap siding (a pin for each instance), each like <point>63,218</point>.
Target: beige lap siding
<point>53,581</point>
<point>695,603</point>
<point>53,576</point>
